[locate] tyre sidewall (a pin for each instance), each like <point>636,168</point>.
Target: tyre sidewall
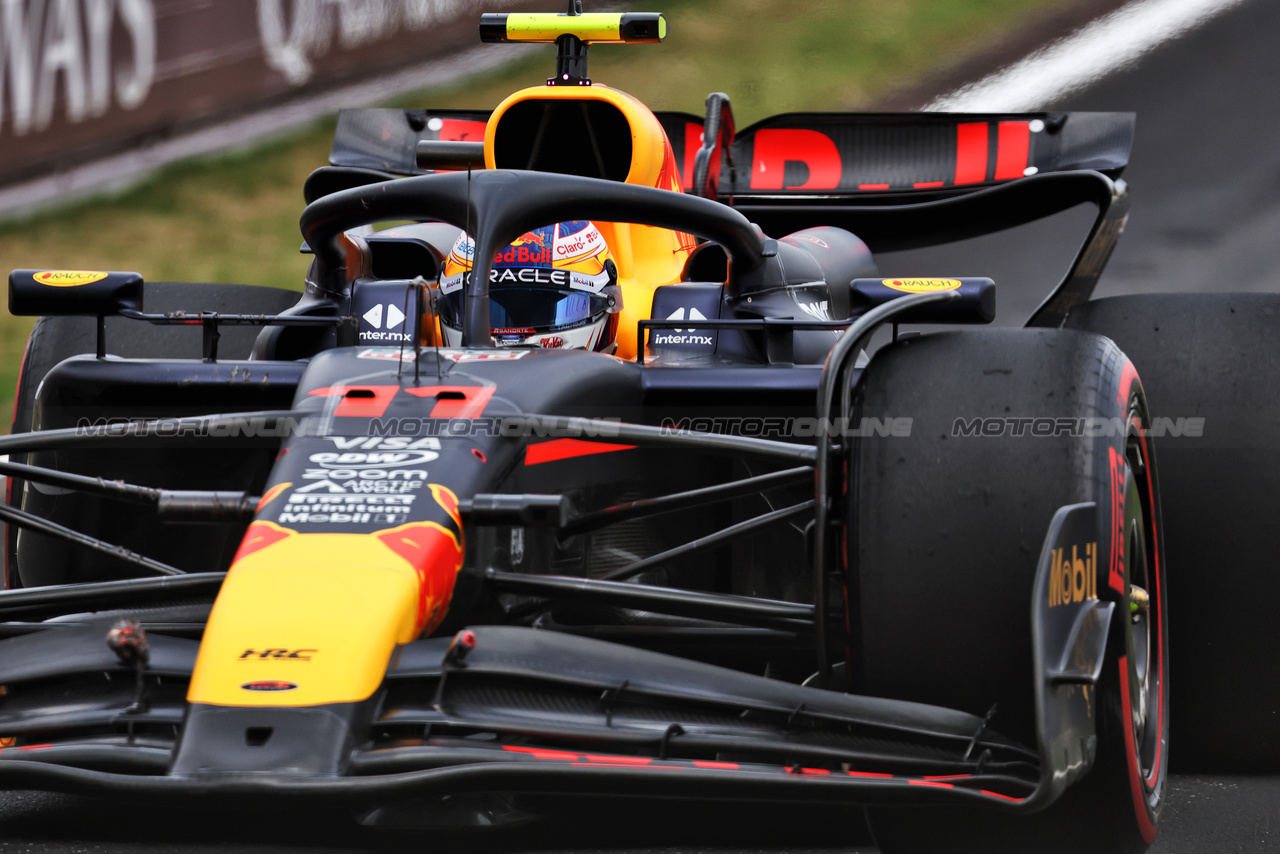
<point>1118,772</point>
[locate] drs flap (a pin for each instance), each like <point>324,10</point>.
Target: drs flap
<point>73,292</point>
<point>868,154</point>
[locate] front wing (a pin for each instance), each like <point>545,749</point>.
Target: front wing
<point>510,710</point>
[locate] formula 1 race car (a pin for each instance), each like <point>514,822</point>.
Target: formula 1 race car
<point>419,546</point>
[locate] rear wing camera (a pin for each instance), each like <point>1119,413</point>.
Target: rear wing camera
<point>591,28</point>
<point>572,33</point>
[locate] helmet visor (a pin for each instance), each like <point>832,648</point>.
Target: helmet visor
<point>532,308</point>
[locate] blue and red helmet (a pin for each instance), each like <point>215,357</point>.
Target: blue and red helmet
<point>554,287</point>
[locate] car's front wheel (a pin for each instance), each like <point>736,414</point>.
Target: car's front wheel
<point>1007,427</point>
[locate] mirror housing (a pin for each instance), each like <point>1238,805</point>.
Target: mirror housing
<point>73,292</point>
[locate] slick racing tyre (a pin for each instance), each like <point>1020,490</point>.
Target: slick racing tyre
<point>54,339</point>
<point>1210,364</point>
<point>1008,425</point>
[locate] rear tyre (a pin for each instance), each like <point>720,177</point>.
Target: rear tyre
<point>950,521</point>
<point>1215,357</point>
<point>54,339</point>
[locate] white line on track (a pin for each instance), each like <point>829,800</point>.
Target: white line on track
<point>1106,45</point>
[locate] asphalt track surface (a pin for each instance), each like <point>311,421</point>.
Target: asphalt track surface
<point>1206,216</point>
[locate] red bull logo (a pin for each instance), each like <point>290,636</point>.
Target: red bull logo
<point>523,255</point>
<point>532,247</point>
<point>435,551</point>
<point>530,237</point>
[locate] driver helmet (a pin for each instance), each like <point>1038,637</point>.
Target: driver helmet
<point>554,287</point>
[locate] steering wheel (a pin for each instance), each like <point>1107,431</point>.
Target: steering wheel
<point>500,205</point>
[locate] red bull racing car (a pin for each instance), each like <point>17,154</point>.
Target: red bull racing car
<point>583,484</point>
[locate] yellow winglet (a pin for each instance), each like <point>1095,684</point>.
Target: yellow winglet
<point>592,28</point>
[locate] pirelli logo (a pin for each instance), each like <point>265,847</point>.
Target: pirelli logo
<point>1073,578</point>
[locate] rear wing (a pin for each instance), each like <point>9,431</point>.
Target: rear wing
<point>855,155</point>
<point>803,155</point>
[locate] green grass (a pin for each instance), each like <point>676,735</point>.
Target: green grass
<point>234,217</point>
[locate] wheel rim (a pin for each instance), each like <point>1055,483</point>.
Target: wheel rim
<point>1144,617</point>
